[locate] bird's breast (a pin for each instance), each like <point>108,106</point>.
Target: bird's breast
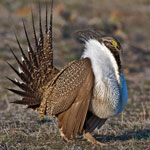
<point>106,98</point>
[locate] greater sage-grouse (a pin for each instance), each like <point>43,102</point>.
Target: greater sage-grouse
<point>84,93</point>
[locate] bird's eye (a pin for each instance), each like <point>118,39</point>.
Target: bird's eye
<point>111,43</point>
<point>114,43</point>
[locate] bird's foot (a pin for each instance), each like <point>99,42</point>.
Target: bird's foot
<point>92,140</point>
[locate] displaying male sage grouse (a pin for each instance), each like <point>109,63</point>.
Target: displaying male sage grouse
<point>83,94</point>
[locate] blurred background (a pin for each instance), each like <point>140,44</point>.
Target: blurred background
<point>128,20</point>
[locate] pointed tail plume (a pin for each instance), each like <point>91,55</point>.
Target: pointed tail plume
<point>36,69</point>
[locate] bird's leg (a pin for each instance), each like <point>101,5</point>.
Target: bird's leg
<point>42,109</point>
<point>91,139</point>
<point>63,135</point>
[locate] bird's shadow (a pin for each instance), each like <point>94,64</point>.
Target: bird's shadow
<point>128,135</point>
<point>44,120</point>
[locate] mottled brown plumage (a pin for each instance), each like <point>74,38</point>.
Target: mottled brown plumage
<point>49,91</point>
<point>66,93</point>
<point>37,69</point>
<point>65,96</point>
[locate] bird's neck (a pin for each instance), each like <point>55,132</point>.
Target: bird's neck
<point>103,62</point>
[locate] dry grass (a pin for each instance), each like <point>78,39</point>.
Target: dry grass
<point>129,21</point>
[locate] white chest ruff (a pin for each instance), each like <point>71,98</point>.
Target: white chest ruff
<point>110,91</point>
<point>105,100</point>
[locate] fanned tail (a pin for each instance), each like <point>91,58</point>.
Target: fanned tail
<point>37,69</point>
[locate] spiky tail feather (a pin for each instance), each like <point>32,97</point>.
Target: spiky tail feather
<point>37,69</point>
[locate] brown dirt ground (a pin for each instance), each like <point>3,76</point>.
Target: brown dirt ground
<point>129,21</point>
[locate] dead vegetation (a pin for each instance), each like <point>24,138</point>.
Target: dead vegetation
<point>129,21</point>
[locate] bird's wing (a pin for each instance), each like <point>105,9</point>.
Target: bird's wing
<point>70,97</point>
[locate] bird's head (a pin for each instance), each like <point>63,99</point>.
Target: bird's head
<point>114,46</point>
